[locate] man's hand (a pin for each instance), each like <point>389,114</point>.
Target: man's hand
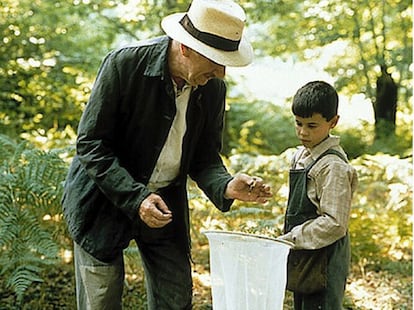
<point>247,188</point>
<point>154,212</point>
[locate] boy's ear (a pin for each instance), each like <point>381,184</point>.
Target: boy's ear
<point>334,121</point>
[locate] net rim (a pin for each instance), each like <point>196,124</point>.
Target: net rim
<point>247,235</point>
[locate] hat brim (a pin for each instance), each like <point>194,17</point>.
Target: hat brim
<point>242,57</point>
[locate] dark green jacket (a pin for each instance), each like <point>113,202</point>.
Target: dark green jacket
<point>120,136</point>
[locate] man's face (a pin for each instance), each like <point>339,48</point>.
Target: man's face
<point>201,69</point>
<point>313,130</point>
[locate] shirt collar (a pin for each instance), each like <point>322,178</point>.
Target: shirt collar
<point>185,88</point>
<point>328,143</point>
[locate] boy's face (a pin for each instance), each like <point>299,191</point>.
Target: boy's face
<point>313,130</point>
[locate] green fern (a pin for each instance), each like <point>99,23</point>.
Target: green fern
<point>30,188</point>
<point>22,277</point>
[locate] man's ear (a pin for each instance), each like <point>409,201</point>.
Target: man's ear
<point>185,50</point>
<point>334,121</point>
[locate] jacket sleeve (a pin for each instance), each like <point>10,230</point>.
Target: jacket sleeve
<point>96,142</point>
<point>207,167</point>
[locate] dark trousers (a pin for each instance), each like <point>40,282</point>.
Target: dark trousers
<point>167,269</point>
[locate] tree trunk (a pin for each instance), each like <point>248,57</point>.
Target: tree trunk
<point>385,106</point>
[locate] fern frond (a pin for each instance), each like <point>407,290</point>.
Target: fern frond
<point>30,187</point>
<point>26,249</point>
<point>7,148</point>
<point>22,278</point>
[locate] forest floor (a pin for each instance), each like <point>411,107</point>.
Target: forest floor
<point>373,289</point>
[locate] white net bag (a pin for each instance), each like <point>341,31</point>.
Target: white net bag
<point>248,272</point>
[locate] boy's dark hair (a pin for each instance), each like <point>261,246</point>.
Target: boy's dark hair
<point>316,97</point>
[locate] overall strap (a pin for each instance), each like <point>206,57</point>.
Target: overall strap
<point>327,152</point>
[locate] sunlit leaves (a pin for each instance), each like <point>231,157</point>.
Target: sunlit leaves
<point>40,38</point>
<point>51,51</point>
<point>381,218</point>
<point>376,33</point>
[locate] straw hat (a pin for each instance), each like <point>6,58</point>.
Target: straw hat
<point>213,28</point>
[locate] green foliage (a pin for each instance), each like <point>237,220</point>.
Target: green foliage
<point>380,223</point>
<point>361,36</point>
<point>381,218</point>
<point>30,212</point>
<point>258,127</point>
<point>353,142</point>
<point>360,140</point>
<point>368,34</point>
<point>49,53</point>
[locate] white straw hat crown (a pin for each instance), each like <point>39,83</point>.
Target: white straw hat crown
<point>213,28</point>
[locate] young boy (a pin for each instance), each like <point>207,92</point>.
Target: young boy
<point>321,187</point>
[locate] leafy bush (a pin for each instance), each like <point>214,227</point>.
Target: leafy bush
<point>380,223</point>
<point>30,212</point>
<point>258,127</point>
<point>360,140</point>
<point>381,217</point>
<point>261,127</point>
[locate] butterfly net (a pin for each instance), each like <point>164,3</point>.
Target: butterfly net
<point>248,272</point>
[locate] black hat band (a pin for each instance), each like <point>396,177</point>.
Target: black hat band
<point>209,38</point>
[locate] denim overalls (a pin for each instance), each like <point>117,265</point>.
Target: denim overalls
<point>300,209</point>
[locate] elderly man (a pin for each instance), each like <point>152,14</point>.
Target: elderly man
<point>154,117</point>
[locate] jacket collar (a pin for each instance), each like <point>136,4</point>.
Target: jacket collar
<point>157,64</point>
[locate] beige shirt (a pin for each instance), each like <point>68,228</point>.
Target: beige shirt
<point>331,184</point>
<point>169,161</point>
